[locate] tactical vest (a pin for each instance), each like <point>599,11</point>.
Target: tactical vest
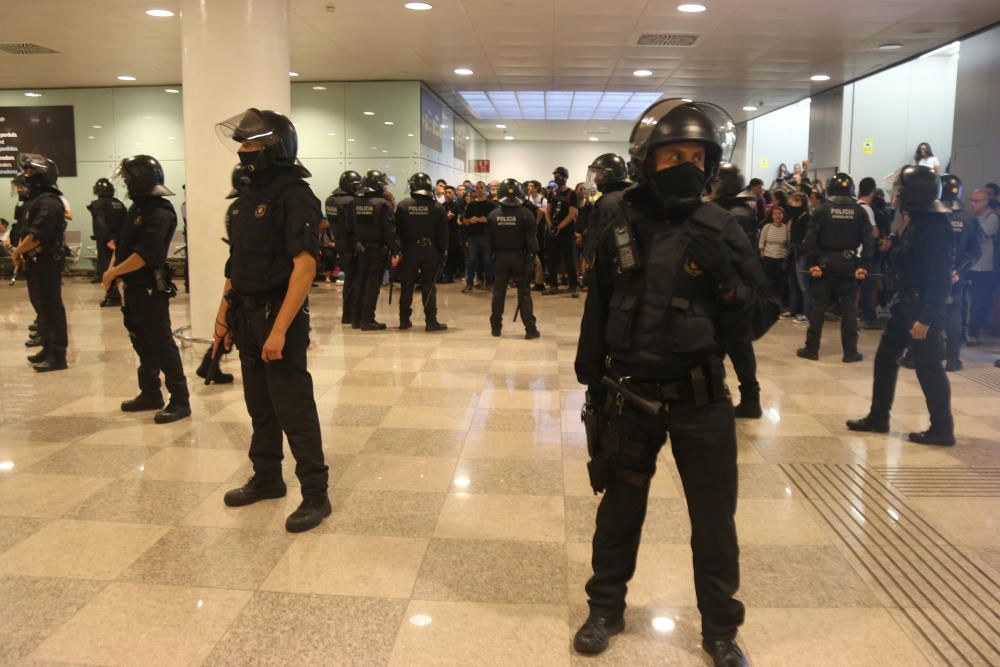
<point>663,319</point>
<point>134,225</point>
<point>959,220</point>
<point>58,240</point>
<point>417,219</point>
<point>255,225</point>
<point>839,230</point>
<point>366,224</point>
<point>508,234</point>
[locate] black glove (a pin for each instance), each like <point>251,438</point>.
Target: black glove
<point>712,256</point>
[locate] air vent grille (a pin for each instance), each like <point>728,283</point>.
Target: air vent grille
<point>25,49</point>
<point>665,39</point>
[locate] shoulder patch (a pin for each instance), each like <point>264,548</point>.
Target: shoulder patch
<point>260,211</point>
<point>138,220</point>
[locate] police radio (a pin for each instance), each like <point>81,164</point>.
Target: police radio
<point>625,247</point>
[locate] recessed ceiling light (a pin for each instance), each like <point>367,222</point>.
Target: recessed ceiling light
<point>749,108</point>
<point>468,138</point>
<point>350,139</point>
<point>593,138</point>
<point>889,47</point>
<point>444,127</point>
<point>368,113</point>
<point>642,73</point>
<point>501,126</point>
<point>331,134</point>
<point>464,71</point>
<point>419,6</point>
<point>374,148</point>
<point>126,77</point>
<point>90,137</point>
<point>384,150</point>
<point>410,135</point>
<point>319,87</point>
<point>508,138</point>
<point>160,13</point>
<point>819,77</point>
<point>387,122</point>
<point>173,91</point>
<point>96,127</point>
<point>293,74</point>
<point>32,94</point>
<point>691,8</point>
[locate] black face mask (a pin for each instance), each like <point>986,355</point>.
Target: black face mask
<point>249,158</point>
<point>794,212</point>
<point>679,185</point>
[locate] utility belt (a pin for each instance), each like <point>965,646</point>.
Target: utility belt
<point>268,300</point>
<point>53,249</point>
<point>423,242</point>
<point>704,384</point>
<point>849,253</point>
<point>156,279</point>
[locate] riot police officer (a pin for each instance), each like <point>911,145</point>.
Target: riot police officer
<point>273,254</point>
<point>19,188</point>
<point>836,230</point>
<point>921,257</point>
<point>338,212</point>
<point>422,225</point>
<point>608,174</point>
<point>513,240</point>
<point>140,262</point>
<point>674,279</point>
<point>40,253</point>
<point>729,191</point>
<point>966,251</point>
<point>108,214</point>
<point>371,219</point>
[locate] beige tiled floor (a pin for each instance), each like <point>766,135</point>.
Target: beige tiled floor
<point>462,513</point>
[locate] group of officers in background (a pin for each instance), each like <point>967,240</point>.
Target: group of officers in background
<point>674,285</point>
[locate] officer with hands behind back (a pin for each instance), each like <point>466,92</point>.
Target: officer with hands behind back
<point>422,225</point>
<point>513,240</point>
<point>273,254</point>
<point>673,280</point>
<point>40,254</point>
<point>836,230</point>
<point>108,215</point>
<point>140,262</point>
<point>338,212</point>
<point>921,257</point>
<point>371,219</point>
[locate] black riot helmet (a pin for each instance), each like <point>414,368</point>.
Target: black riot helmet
<point>920,190</point>
<point>104,188</point>
<point>840,188</point>
<point>951,191</point>
<point>350,181</point>
<point>510,192</point>
<point>676,120</point>
<point>274,131</point>
<point>420,185</point>
<point>605,169</point>
<point>373,184</point>
<point>240,182</point>
<point>143,176</point>
<point>729,183</point>
<point>43,170</point>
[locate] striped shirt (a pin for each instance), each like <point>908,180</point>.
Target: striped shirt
<point>774,240</point>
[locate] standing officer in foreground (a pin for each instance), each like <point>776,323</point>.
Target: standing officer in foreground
<point>966,251</point>
<point>674,279</point>
<point>40,253</point>
<point>422,225</point>
<point>371,217</point>
<point>273,253</point>
<point>921,258</point>
<point>511,231</point>
<point>338,212</point>
<point>140,261</point>
<point>835,231</point>
<point>108,215</point>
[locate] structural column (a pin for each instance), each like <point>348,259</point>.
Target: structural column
<point>235,56</point>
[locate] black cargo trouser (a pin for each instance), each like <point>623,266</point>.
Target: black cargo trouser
<point>953,326</point>
<point>507,265</point>
<point>927,357</point>
<point>45,293</point>
<point>349,263</point>
<point>822,289</point>
<point>104,254</point>
<point>370,267</point>
<point>146,313</point>
<point>279,399</point>
<point>703,440</point>
<point>562,249</point>
<point>745,364</point>
<point>422,262</point>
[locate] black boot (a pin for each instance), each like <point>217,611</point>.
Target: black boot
<point>953,365</point>
<point>434,325</point>
<point>206,363</point>
<point>496,332</point>
<point>749,407</point>
<point>55,360</point>
<point>532,333</point>
<point>372,326</point>
<point>405,324</point>
<point>111,302</point>
<point>725,653</point>
<point>932,438</point>
<point>175,410</point>
<point>310,514</point>
<point>592,637</point>
<point>254,491</point>
<point>32,328</point>
<point>39,356</point>
<point>806,353</point>
<point>142,402</point>
<point>853,358</point>
<point>869,423</point>
<point>34,340</point>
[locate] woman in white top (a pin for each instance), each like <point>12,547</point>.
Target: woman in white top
<point>924,156</point>
<point>775,239</point>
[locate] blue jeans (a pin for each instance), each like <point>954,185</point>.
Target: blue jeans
<point>478,257</point>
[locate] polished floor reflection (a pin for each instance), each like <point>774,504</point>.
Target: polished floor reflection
<point>462,514</point>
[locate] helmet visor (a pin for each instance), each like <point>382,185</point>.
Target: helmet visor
<point>595,178</point>
<point>724,127</point>
<point>248,125</point>
<point>32,161</point>
<point>117,177</point>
